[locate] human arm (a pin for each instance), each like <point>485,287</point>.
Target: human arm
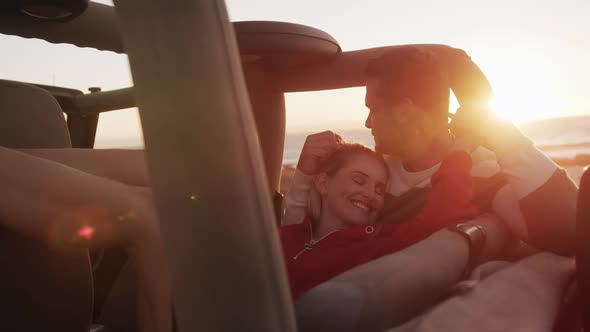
<point>392,289</point>
<point>535,285</point>
<point>315,149</point>
<point>545,194</point>
<point>123,165</point>
<point>297,197</point>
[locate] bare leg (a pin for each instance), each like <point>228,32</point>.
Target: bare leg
<point>126,166</point>
<point>65,206</point>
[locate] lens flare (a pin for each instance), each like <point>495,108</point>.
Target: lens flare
<point>86,232</point>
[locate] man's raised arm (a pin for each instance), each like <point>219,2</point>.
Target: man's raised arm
<point>546,195</point>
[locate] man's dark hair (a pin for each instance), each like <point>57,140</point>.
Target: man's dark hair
<point>414,73</point>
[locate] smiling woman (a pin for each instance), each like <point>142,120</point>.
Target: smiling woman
<point>344,233</point>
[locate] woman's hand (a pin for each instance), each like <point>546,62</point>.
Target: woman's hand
<point>316,148</point>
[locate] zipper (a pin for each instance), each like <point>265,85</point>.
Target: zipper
<point>309,245</point>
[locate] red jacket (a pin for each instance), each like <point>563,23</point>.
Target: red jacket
<point>449,202</point>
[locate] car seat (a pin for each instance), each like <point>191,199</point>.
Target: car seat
<point>43,288</point>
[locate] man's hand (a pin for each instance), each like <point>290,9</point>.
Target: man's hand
<point>316,148</point>
<point>477,125</point>
<point>474,123</point>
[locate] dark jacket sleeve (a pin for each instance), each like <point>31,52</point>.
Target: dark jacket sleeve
<point>550,214</point>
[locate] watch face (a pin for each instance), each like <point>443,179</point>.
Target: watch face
<point>472,230</point>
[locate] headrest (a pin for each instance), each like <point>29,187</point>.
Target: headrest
<point>30,117</point>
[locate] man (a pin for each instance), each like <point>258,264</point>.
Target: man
<point>407,94</point>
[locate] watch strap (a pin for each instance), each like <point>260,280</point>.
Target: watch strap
<point>476,237</point>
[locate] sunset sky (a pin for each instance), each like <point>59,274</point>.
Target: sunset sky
<point>536,54</point>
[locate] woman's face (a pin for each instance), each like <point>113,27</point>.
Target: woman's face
<point>354,195</point>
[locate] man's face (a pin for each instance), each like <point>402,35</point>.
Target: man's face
<point>402,130</point>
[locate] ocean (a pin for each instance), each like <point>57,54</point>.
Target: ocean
<point>565,140</point>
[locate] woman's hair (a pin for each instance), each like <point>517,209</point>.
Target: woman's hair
<point>332,164</point>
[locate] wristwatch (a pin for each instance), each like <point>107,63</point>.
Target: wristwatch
<point>476,237</point>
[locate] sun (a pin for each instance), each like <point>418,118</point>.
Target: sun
<point>525,88</point>
<point>526,107</point>
<point>522,106</point>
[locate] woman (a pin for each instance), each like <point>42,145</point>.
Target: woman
<point>344,233</point>
<point>348,274</point>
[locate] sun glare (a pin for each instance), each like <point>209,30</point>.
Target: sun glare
<point>524,108</point>
<point>525,88</point>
